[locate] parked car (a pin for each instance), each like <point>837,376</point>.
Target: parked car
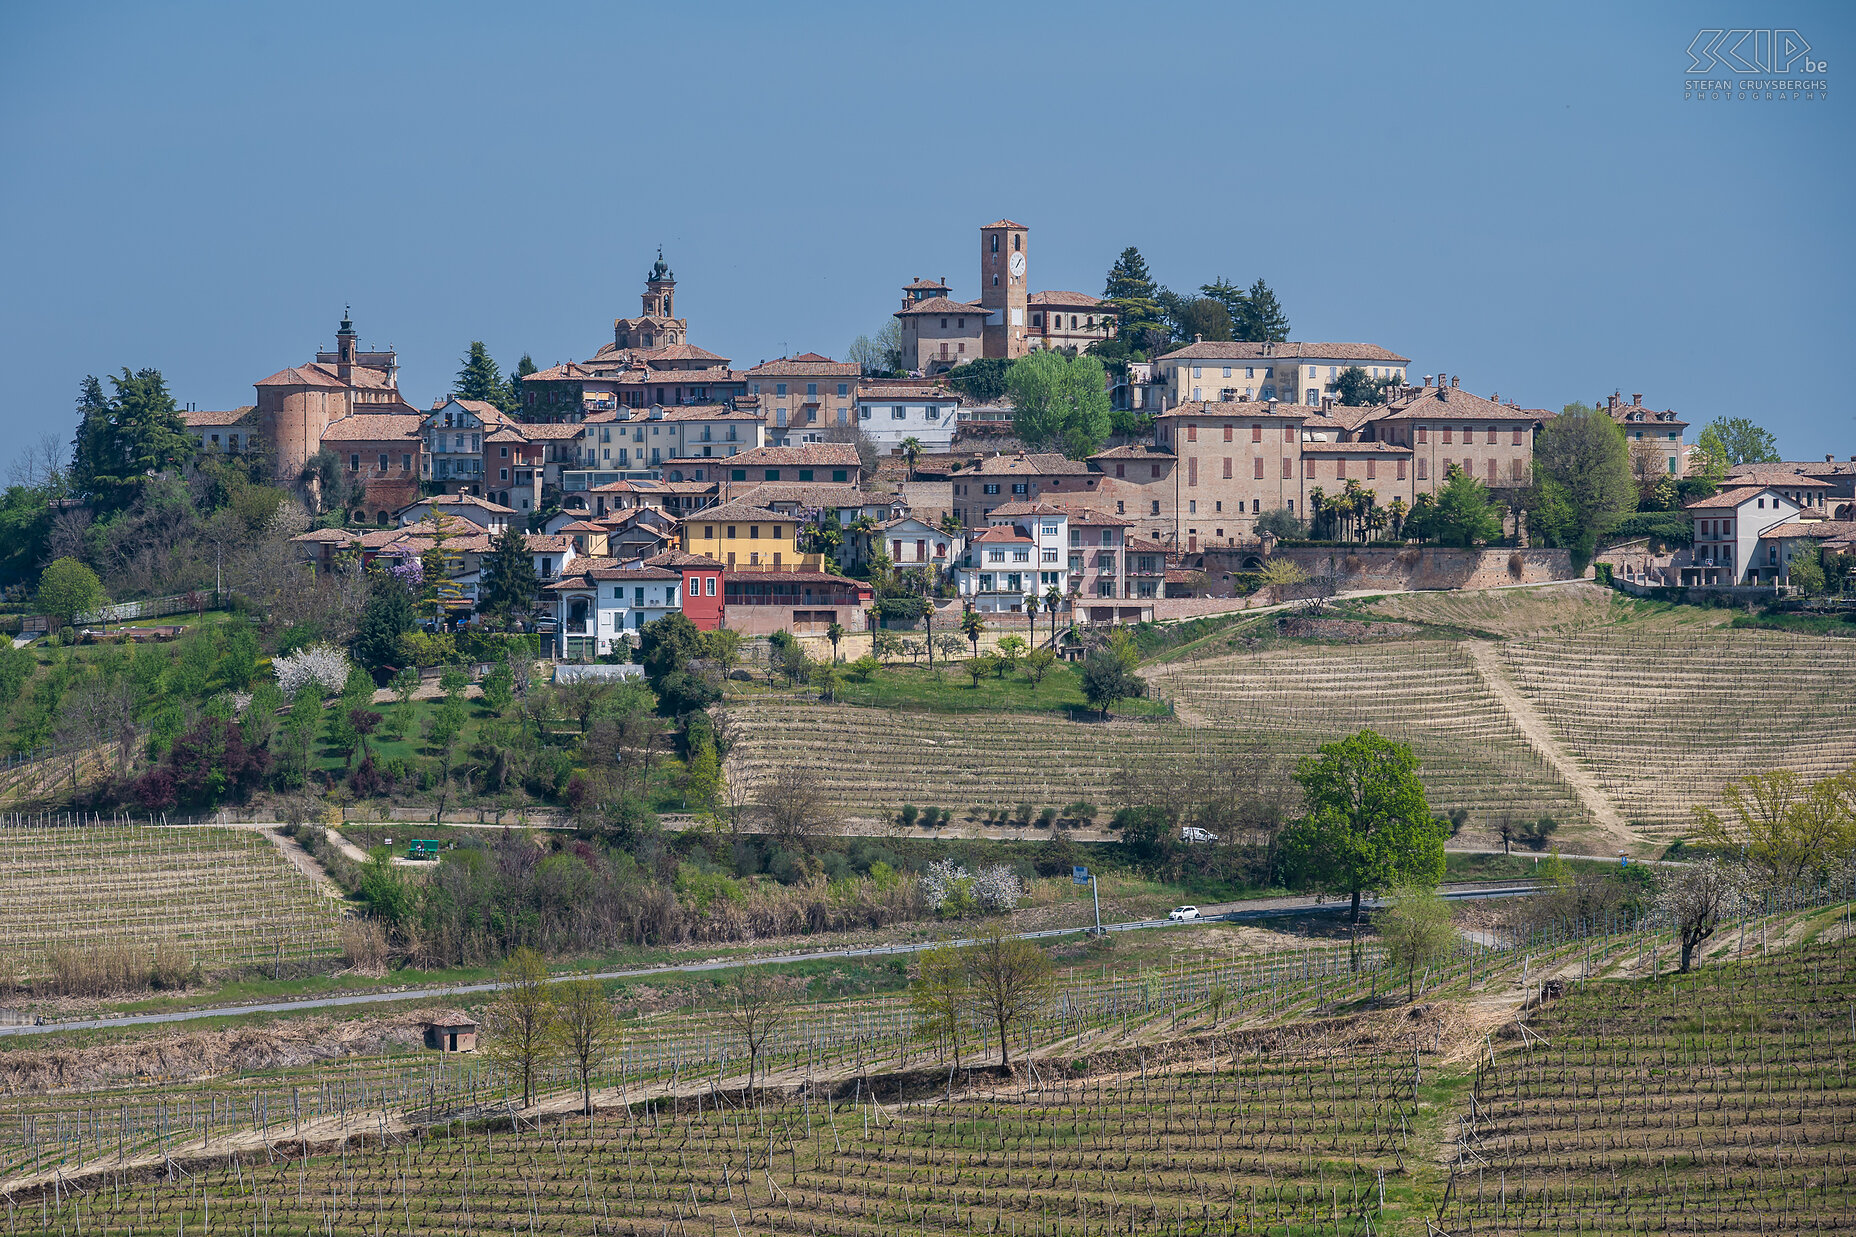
<point>1193,834</point>
<point>1183,913</point>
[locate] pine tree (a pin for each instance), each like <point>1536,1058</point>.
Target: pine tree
<point>1128,278</point>
<point>509,574</point>
<point>137,431</point>
<point>479,379</point>
<point>1262,318</point>
<point>523,369</point>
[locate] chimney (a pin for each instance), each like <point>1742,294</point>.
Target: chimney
<point>1830,459</point>
<point>1427,380</point>
<point>1454,378</point>
<point>1636,399</point>
<point>1611,402</point>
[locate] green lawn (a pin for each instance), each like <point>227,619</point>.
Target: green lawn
<point>1805,624</point>
<point>949,689</point>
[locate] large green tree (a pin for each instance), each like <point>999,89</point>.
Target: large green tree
<point>510,583</point>
<point>1262,318</point>
<point>1355,388</point>
<point>480,379</point>
<point>1136,299</point>
<point>67,589</point>
<point>982,380</point>
<point>1465,513</point>
<point>1367,825</point>
<point>389,615</point>
<point>1060,401</point>
<point>1582,482</point>
<point>123,439</point>
<point>1727,441</point>
<point>1201,317</point>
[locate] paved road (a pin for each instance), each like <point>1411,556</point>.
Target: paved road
<point>1228,911</point>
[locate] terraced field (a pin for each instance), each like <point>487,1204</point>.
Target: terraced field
<point>1425,693</point>
<point>219,895</point>
<point>1663,723</point>
<point>1559,608</point>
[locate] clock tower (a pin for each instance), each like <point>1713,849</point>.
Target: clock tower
<point>1003,290</point>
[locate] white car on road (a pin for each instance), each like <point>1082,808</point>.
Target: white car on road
<point>1181,914</point>
<point>1192,833</point>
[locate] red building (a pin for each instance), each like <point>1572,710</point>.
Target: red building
<point>703,593</point>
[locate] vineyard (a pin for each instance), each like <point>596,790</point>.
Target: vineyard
<point>218,896</point>
<point>1664,724</point>
<point>1718,1102</point>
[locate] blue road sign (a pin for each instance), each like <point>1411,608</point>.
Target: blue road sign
<point>1081,874</point>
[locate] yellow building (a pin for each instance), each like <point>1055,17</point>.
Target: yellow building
<point>740,534</point>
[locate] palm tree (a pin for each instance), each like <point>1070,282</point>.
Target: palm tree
<point>1317,511</point>
<point>911,451</point>
<point>1395,512</point>
<point>971,625</point>
<point>1053,602</point>
<point>834,633</point>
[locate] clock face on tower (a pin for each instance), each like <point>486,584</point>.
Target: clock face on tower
<point>1018,266</point>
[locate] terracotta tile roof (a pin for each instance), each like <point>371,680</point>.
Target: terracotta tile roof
<point>329,536</point>
<point>506,433</point>
<point>1827,530</point>
<point>918,284</point>
<point>677,352</point>
<point>197,418</point>
<point>580,526</point>
<point>1249,350</point>
<point>300,376</point>
<point>1007,223</point>
<point>1000,532</point>
<point>1776,476</point>
<point>1726,499</point>
<point>374,427</point>
<point>539,431</point>
<point>1026,464</point>
<point>564,372</point>
<point>1070,300</point>
<point>1141,545</point>
<point>740,511</point>
<point>678,559</point>
<point>806,455</point>
<point>1090,517</point>
<point>547,543</point>
<point>1134,451</point>
<point>461,500</point>
<point>1009,510</point>
<point>1449,403</point>
<point>634,573</point>
<point>809,363</point>
<point>359,376</point>
<point>809,494</point>
<point>690,412</point>
<point>940,305</point>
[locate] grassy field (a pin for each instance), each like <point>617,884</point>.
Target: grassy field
<point>949,689</point>
<point>217,896</point>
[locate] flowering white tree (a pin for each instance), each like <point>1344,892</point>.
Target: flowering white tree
<point>998,888</point>
<point>322,664</point>
<point>947,886</point>
<point>1697,897</point>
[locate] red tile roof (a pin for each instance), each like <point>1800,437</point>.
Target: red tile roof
<point>808,363</point>
<point>1007,223</point>
<point>1249,350</point>
<point>811,454</point>
<point>197,418</point>
<point>374,427</point>
<point>1070,300</point>
<point>940,305</point>
<point>300,376</point>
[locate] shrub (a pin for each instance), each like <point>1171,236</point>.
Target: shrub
<point>909,814</point>
<point>1047,818</point>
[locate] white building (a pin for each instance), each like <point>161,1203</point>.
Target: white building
<point>910,543</point>
<point>891,413</point>
<point>601,611</point>
<point>1728,527</point>
<point>998,572</point>
<point>489,516</point>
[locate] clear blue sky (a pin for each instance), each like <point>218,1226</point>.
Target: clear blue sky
<point>1516,194</point>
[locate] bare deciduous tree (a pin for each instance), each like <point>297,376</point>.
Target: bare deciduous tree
<point>1010,978</point>
<point>584,1027</point>
<point>756,1009</point>
<point>519,1023</point>
<point>795,807</point>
